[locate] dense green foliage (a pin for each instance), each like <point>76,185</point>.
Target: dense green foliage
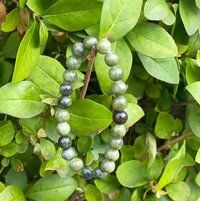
<point>158,43</point>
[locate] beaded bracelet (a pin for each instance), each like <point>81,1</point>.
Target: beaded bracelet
<point>118,130</point>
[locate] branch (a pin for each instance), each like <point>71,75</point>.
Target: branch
<point>88,73</point>
<point>191,102</point>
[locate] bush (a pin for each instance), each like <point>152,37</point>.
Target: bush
<point>158,44</point>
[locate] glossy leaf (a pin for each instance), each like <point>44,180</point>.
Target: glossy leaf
<point>92,193</point>
<point>194,90</point>
<point>6,69</point>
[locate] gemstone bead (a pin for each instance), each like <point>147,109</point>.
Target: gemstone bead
<point>73,63</point>
<point>119,103</point>
<point>70,76</point>
<point>99,174</point>
<point>63,128</point>
<point>89,42</point>
<point>76,164</point>
<point>66,89</point>
<point>62,115</point>
<point>111,59</point>
<point>107,166</point>
<point>116,143</point>
<point>65,102</point>
<point>112,154</point>
<point>118,131</point>
<point>120,117</point>
<point>65,142</point>
<point>103,46</point>
<point>116,73</point>
<point>78,49</point>
<point>119,88</point>
<point>69,154</point>
<point>87,173</point>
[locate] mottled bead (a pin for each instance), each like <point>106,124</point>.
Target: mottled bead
<point>64,142</point>
<point>87,173</point>
<point>116,143</point>
<point>118,131</point>
<point>62,115</point>
<point>99,174</point>
<point>76,164</point>
<point>107,166</point>
<point>103,46</point>
<point>112,154</point>
<point>73,63</point>
<point>120,117</point>
<point>65,102</point>
<point>116,73</point>
<point>89,42</point>
<point>119,88</point>
<point>69,154</point>
<point>119,103</point>
<point>70,76</point>
<point>111,59</point>
<point>66,89</point>
<point>78,49</point>
<point>63,128</point>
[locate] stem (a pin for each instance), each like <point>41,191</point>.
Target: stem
<point>88,73</point>
<point>191,102</point>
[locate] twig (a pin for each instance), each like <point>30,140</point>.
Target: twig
<point>88,73</point>
<point>191,102</point>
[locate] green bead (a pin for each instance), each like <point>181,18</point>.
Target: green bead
<point>76,164</point>
<point>118,131</point>
<point>70,76</point>
<point>111,59</point>
<point>63,128</point>
<point>69,154</point>
<point>104,46</point>
<point>64,102</point>
<point>112,154</point>
<point>99,174</point>
<point>116,73</point>
<point>89,42</point>
<point>116,143</point>
<point>119,103</point>
<point>73,63</point>
<point>107,166</point>
<point>61,115</point>
<point>119,88</point>
<point>78,50</point>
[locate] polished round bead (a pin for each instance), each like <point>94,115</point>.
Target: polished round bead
<point>111,59</point>
<point>76,164</point>
<point>99,174</point>
<point>116,73</point>
<point>119,88</point>
<point>104,46</point>
<point>118,131</point>
<point>116,143</point>
<point>73,63</point>
<point>119,103</point>
<point>120,117</point>
<point>63,128</point>
<point>65,102</point>
<point>66,89</point>
<point>87,173</point>
<point>112,154</point>
<point>64,142</point>
<point>107,166</point>
<point>62,115</point>
<point>69,154</point>
<point>89,42</point>
<point>78,49</point>
<point>70,76</point>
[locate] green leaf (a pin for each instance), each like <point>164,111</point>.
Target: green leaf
<point>92,193</point>
<point>179,191</point>
<point>162,69</point>
<point>127,174</point>
<point>47,148</point>
<point>52,188</point>
<point>88,117</point>
<point>118,17</point>
<point>12,21</point>
<point>12,193</point>
<point>28,54</point>
<point>43,32</point>
<point>190,15</point>
<point>192,71</point>
<point>147,35</point>
<point>194,90</point>
<point>84,144</point>
<point>198,179</point>
<point>102,70</point>
<point>198,3</point>
<point>22,3</point>
<point>6,69</point>
<point>7,132</point>
<point>197,158</point>
<point>156,9</point>
<point>21,100</point>
<point>9,150</point>
<point>71,15</point>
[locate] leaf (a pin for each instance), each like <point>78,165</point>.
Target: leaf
<point>197,3</point>
<point>21,100</point>
<point>147,35</point>
<point>12,21</point>
<point>12,193</point>
<point>197,158</point>
<point>43,32</point>
<point>84,144</point>
<point>7,132</point>
<point>102,70</point>
<point>156,9</point>
<point>92,193</point>
<point>190,15</point>
<point>194,90</point>
<point>162,69</point>
<point>9,150</point>
<point>6,69</point>
<point>22,3</point>
<point>52,188</point>
<point>118,17</point>
<point>127,174</point>
<point>88,117</point>
<point>28,54</point>
<point>47,149</point>
<point>198,179</point>
<point>71,15</point>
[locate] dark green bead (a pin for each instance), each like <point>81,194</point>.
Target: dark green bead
<point>65,102</point>
<point>65,142</point>
<point>89,42</point>
<point>120,117</point>
<point>69,154</point>
<point>87,173</point>
<point>73,63</point>
<point>66,89</point>
<point>70,76</point>
<point>99,174</point>
<point>78,49</point>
